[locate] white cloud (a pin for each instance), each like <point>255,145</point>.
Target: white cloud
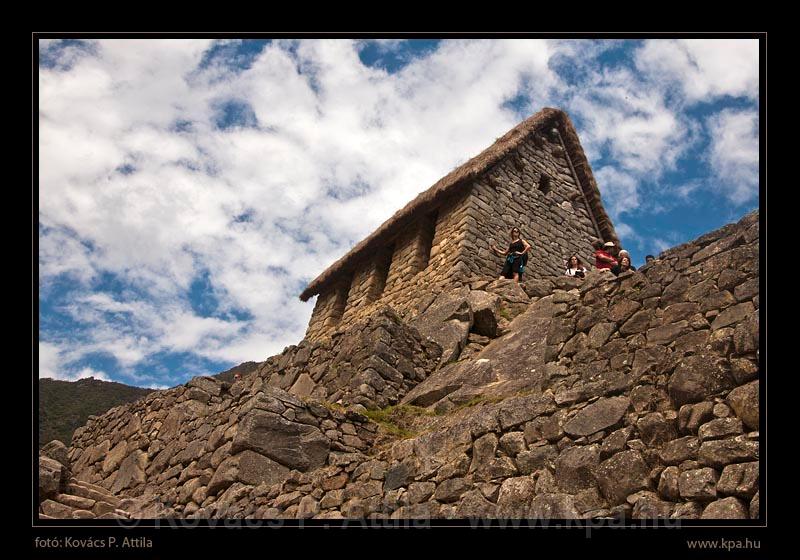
<point>157,387</point>
<point>51,365</point>
<point>734,154</point>
<point>660,245</point>
<point>627,234</point>
<point>63,54</point>
<point>685,190</point>
<point>626,123</point>
<point>702,69</point>
<point>625,116</point>
<point>48,360</point>
<point>619,190</point>
<point>339,148</point>
<point>637,119</point>
<point>61,253</point>
<point>89,372</point>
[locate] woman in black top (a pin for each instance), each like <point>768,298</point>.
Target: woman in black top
<point>623,266</point>
<point>516,256</point>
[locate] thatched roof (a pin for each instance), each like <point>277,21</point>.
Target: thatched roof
<point>464,175</point>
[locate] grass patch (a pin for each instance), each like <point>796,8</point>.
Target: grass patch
<point>504,313</point>
<point>392,413</point>
<point>472,402</point>
<point>396,430</point>
<point>333,407</point>
<point>393,418</point>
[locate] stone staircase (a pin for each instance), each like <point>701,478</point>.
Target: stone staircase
<point>63,496</point>
<point>83,500</point>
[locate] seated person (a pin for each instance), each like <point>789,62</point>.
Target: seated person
<point>623,266</point>
<point>575,267</point>
<point>602,258</point>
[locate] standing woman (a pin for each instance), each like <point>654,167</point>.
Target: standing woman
<point>516,256</point>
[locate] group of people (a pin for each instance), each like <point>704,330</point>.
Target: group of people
<point>606,254</point>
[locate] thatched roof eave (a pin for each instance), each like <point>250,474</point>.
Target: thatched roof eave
<point>465,174</point>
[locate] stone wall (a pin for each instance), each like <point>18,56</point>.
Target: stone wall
<point>374,363</point>
<point>328,309</point>
<point>557,223</point>
<point>426,257</point>
<point>361,288</point>
<point>411,250</point>
<point>649,408</point>
<point>62,496</point>
<point>184,447</point>
<point>628,397</point>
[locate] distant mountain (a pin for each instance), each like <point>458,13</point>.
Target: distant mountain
<point>66,405</point>
<point>244,369</point>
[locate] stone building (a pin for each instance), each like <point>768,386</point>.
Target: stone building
<point>536,177</point>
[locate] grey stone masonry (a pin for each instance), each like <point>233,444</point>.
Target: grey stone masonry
<point>533,186</point>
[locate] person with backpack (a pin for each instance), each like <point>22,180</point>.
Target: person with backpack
<point>516,256</point>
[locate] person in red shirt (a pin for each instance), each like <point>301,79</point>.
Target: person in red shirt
<point>602,257</point>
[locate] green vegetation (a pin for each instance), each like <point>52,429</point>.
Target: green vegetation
<point>396,430</point>
<point>473,402</point>
<point>504,313</point>
<point>333,407</point>
<point>66,405</point>
<point>398,410</point>
<point>393,418</point>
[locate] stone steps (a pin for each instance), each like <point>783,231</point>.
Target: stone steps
<point>92,492</point>
<point>69,506</point>
<point>77,499</point>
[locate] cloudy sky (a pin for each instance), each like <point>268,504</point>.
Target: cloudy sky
<point>190,189</point>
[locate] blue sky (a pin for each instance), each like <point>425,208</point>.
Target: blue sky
<point>190,189</point>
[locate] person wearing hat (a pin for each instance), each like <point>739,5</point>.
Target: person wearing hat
<point>602,256</point>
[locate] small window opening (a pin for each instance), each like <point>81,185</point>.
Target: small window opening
<point>545,183</point>
<point>340,300</point>
<point>383,261</point>
<point>428,233</point>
